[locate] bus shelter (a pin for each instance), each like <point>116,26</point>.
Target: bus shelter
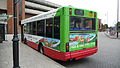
<point>3,23</point>
<point>2,31</point>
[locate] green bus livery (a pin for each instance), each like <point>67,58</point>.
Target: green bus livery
<point>64,34</point>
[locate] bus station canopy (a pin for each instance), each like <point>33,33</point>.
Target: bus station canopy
<point>4,18</point>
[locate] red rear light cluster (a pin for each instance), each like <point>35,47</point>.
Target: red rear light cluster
<point>67,47</point>
<point>95,14</point>
<point>70,11</point>
<point>91,14</point>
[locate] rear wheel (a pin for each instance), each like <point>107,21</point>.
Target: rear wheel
<point>40,49</point>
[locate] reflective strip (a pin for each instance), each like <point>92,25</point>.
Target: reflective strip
<point>83,51</point>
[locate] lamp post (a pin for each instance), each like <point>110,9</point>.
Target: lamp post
<point>15,38</point>
<point>117,15</point>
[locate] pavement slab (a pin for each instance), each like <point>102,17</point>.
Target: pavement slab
<point>29,58</point>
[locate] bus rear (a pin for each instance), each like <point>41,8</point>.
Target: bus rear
<point>79,33</point>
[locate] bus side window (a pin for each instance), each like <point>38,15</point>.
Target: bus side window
<point>57,27</point>
<point>34,28</point>
<point>93,24</point>
<point>25,28</point>
<point>29,28</point>
<point>40,28</point>
<point>49,23</point>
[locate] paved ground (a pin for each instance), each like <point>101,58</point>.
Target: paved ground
<point>29,58</point>
<point>108,55</point>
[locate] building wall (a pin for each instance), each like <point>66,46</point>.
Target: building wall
<point>10,12</point>
<point>19,17</point>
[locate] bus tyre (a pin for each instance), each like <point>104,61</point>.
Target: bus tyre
<point>40,49</point>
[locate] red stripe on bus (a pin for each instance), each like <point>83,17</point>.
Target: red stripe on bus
<point>83,53</point>
<point>32,44</point>
<point>64,56</point>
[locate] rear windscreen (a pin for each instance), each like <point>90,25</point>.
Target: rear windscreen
<point>82,23</point>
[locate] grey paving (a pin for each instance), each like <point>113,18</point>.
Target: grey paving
<point>108,55</point>
<point>29,58</point>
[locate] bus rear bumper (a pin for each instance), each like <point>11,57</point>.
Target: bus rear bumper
<point>83,53</point>
<point>64,56</point>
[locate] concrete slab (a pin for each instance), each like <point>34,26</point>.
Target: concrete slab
<point>29,58</point>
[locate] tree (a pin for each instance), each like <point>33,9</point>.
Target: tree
<point>106,26</point>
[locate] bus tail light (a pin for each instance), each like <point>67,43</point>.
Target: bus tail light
<point>70,11</point>
<point>91,14</point>
<point>67,47</point>
<point>95,14</point>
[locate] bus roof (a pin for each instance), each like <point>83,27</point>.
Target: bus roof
<point>44,15</point>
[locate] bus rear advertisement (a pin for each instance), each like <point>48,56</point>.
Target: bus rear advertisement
<point>64,34</point>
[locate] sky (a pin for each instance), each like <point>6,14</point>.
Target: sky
<point>106,9</point>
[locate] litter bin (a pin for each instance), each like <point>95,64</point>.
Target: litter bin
<point>1,40</point>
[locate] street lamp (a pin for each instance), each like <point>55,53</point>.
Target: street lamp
<point>15,38</point>
<point>117,16</point>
